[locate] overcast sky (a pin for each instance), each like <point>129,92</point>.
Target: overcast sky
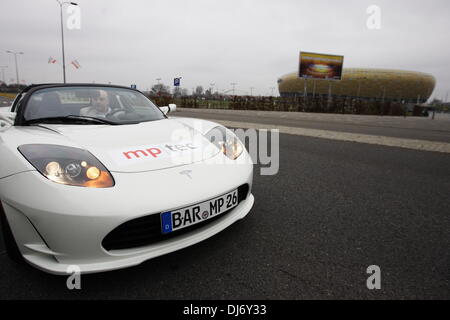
<point>249,42</point>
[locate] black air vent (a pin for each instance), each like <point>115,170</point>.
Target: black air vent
<point>147,230</point>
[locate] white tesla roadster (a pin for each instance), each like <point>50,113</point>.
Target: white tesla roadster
<point>99,177</point>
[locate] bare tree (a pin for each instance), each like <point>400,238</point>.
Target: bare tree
<point>160,89</point>
<point>199,91</point>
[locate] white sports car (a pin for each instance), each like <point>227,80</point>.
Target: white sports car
<point>98,177</point>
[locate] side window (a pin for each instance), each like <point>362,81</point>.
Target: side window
<point>33,105</point>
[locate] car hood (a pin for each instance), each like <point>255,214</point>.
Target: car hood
<point>139,147</point>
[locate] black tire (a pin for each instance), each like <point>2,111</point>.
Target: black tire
<point>12,250</point>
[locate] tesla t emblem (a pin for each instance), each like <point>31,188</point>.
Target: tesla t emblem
<point>187,173</point>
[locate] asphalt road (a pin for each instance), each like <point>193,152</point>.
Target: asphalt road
<point>334,209</point>
<point>411,128</point>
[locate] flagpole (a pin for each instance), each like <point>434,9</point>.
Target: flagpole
<point>304,88</point>
<point>305,93</point>
<point>329,89</point>
<point>62,35</point>
<point>62,42</point>
<point>314,89</point>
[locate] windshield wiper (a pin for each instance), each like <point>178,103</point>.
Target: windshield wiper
<point>70,118</point>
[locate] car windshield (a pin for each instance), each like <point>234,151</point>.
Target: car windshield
<point>90,105</point>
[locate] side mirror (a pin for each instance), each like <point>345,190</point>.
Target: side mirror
<point>171,108</point>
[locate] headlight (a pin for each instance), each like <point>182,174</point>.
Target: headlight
<point>67,165</point>
<point>226,141</point>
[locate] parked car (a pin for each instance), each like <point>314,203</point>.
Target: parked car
<point>99,177</point>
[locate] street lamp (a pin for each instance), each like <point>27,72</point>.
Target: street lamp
<point>233,84</point>
<point>272,88</point>
<point>62,34</point>
<point>3,72</point>
<point>159,86</point>
<point>15,59</point>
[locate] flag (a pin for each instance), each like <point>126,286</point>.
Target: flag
<point>76,64</point>
<point>51,60</point>
<point>176,82</point>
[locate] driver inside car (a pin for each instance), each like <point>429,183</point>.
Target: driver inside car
<point>99,106</point>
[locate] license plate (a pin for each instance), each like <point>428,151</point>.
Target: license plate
<point>185,217</point>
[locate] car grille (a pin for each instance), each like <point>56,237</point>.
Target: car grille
<point>147,230</point>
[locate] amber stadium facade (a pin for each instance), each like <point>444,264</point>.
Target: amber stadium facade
<point>366,84</point>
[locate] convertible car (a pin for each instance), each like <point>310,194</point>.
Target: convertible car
<point>99,177</point>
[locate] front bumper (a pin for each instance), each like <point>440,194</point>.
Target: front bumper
<point>57,226</point>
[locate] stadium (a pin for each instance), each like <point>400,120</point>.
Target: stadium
<point>366,84</point>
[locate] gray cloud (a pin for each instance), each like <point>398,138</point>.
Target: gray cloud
<point>249,42</point>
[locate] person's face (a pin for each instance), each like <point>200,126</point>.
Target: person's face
<point>101,101</point>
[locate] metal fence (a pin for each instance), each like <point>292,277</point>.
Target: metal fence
<point>318,104</point>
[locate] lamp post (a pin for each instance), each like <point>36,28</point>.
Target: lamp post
<point>15,60</point>
<point>159,86</point>
<point>62,35</point>
<point>233,84</point>
<point>3,72</point>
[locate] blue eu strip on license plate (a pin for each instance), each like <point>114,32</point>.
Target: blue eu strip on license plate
<point>166,221</point>
<point>178,219</point>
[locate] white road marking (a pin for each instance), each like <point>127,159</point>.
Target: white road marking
<point>422,145</point>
